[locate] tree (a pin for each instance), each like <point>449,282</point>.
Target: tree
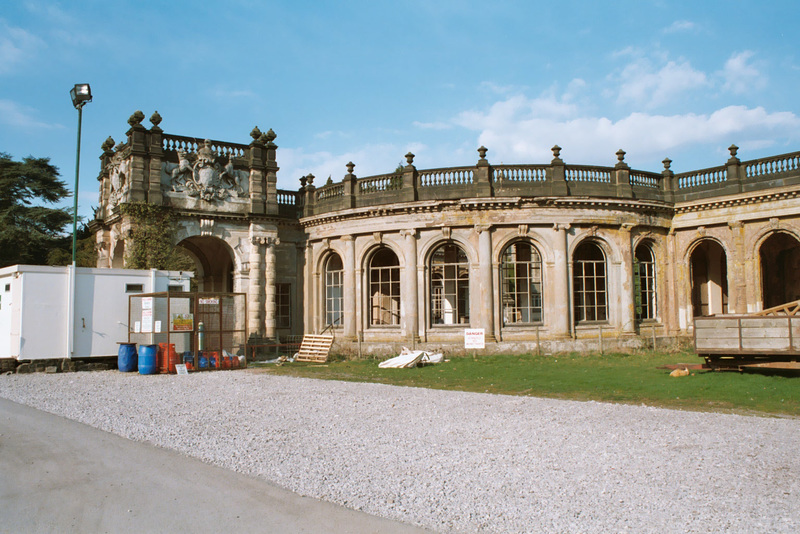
<point>28,229</point>
<point>85,253</point>
<point>151,245</point>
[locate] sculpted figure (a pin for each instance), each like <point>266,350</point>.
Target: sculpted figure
<point>119,179</point>
<point>179,173</point>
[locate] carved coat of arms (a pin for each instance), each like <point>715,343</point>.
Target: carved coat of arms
<point>203,175</point>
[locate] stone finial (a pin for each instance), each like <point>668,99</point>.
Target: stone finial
<point>350,166</point>
<point>556,154</point>
<point>482,151</point>
<point>255,133</point>
<point>155,118</point>
<point>733,150</point>
<point>667,162</point>
<point>137,118</point>
<point>621,160</point>
<point>271,136</point>
<point>410,158</point>
<point>303,182</point>
<point>310,178</point>
<point>108,144</point>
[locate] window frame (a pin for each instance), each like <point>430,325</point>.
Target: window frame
<point>589,289</point>
<point>455,276</point>
<point>527,302</point>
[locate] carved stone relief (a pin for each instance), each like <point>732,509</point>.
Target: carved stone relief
<point>118,172</point>
<point>203,175</point>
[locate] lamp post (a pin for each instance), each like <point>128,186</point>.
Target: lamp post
<point>80,94</point>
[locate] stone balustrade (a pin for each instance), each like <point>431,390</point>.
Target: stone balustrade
<point>172,142</point>
<point>555,179</point>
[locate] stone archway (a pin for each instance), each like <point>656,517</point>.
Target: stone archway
<point>214,261</point>
<point>780,269</point>
<point>709,279</point>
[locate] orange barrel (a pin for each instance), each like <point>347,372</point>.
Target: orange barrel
<point>174,359</point>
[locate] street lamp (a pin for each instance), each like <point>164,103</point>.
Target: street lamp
<point>80,94</point>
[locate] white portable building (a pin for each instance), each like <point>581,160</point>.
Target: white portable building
<point>68,312</point>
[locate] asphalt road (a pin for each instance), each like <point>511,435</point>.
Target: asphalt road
<point>57,475</point>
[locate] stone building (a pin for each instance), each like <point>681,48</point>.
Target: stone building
<point>554,255</point>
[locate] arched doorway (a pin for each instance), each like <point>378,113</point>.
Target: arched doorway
<point>213,259</point>
<point>780,269</point>
<point>709,279</point>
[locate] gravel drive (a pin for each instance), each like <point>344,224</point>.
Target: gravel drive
<point>452,461</point>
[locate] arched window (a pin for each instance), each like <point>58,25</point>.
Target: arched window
<point>449,279</point>
<point>644,283</point>
<point>384,288</point>
<point>521,272</point>
<point>589,283</point>
<point>334,290</point>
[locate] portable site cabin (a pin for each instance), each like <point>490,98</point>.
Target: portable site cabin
<point>68,312</point>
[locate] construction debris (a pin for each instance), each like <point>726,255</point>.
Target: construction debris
<point>412,358</point>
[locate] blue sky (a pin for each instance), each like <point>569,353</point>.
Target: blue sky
<point>368,81</point>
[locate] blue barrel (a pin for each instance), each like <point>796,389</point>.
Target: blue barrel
<point>126,357</point>
<point>148,359</point>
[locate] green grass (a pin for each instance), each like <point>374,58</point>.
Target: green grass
<point>625,378</point>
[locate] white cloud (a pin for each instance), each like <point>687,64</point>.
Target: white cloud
<point>515,134</point>
<point>19,116</point>
<point>371,159</point>
<point>741,76</point>
<point>680,26</point>
<point>644,86</point>
<point>16,46</point>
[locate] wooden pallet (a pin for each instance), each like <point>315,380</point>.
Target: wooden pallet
<point>315,348</point>
<point>790,309</point>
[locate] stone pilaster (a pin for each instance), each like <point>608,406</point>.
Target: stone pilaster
<point>408,297</point>
<point>486,296</point>
<point>627,309</point>
<point>311,311</point>
<point>560,309</point>
<point>255,300</point>
<point>269,286</point>
<point>737,292</point>
<point>349,288</point>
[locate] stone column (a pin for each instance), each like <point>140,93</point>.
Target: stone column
<point>561,308</point>
<point>737,292</point>
<point>349,287</point>
<point>670,314</point>
<point>408,296</point>
<point>715,300</point>
<point>627,309</point>
<point>485,276</point>
<point>254,303</point>
<point>269,286</point>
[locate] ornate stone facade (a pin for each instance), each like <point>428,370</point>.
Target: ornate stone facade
<point>553,255</point>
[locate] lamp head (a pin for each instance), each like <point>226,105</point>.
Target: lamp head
<point>80,94</point>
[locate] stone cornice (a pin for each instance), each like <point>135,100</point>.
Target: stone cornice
<point>493,204</point>
<point>737,200</point>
